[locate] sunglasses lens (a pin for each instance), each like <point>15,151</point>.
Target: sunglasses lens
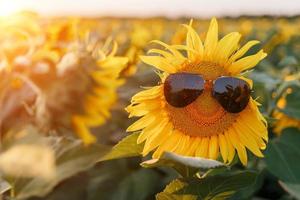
<point>181,89</point>
<point>232,93</point>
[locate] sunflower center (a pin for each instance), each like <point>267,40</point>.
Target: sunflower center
<point>205,116</point>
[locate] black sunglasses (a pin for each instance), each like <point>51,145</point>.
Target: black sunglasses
<point>181,89</point>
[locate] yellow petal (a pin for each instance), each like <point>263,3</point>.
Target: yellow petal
<point>109,62</point>
<point>254,122</point>
<point>93,120</point>
<point>165,54</point>
<point>226,46</point>
<point>141,123</point>
<point>213,148</point>
<point>159,62</point>
<point>248,141</point>
<point>82,130</point>
<point>157,139</point>
<point>174,60</point>
<point>246,63</point>
<point>169,145</point>
<point>259,141</point>
<point>238,146</point>
<point>195,143</point>
<point>202,150</point>
<point>231,151</point>
<point>211,40</point>
<point>194,42</point>
<point>151,93</point>
<point>243,50</point>
<point>173,50</point>
<point>223,147</point>
<point>156,126</point>
<point>142,108</point>
<point>135,111</point>
<point>183,145</point>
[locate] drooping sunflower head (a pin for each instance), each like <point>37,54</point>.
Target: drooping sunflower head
<point>202,107</point>
<point>103,68</point>
<point>67,91</point>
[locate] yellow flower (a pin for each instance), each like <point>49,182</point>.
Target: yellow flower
<point>203,128</point>
<point>139,37</point>
<point>19,38</point>
<point>283,121</point>
<point>102,94</point>
<point>74,76</point>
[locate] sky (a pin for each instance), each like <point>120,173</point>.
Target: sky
<point>150,8</point>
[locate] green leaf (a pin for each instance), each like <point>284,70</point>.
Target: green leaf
<point>127,147</point>
<point>4,186</point>
<point>218,186</point>
<point>282,156</point>
<point>184,165</point>
<point>266,80</point>
<point>288,61</point>
<point>248,192</point>
<point>138,185</point>
<point>291,188</point>
<point>174,186</point>
<point>75,158</point>
<point>292,103</point>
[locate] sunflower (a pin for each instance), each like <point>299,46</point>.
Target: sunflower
<point>282,120</point>
<point>102,93</point>
<point>69,87</point>
<point>203,128</point>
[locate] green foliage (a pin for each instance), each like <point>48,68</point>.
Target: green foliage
<point>71,157</point>
<point>174,186</point>
<point>137,186</point>
<point>265,80</point>
<point>219,186</point>
<point>282,157</point>
<point>292,188</point>
<point>249,191</point>
<point>293,104</point>
<point>288,61</point>
<point>4,186</point>
<point>127,147</point>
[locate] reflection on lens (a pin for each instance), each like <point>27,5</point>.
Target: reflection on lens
<point>181,89</point>
<point>232,93</point>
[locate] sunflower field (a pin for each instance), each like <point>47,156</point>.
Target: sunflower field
<point>156,108</point>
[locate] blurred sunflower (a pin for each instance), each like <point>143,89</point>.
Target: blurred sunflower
<point>140,35</point>
<point>58,85</point>
<point>104,71</point>
<point>282,120</point>
<point>203,128</point>
<point>19,38</point>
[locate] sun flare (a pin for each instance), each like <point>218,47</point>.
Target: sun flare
<point>8,8</point>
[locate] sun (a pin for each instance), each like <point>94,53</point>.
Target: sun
<point>8,8</point>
